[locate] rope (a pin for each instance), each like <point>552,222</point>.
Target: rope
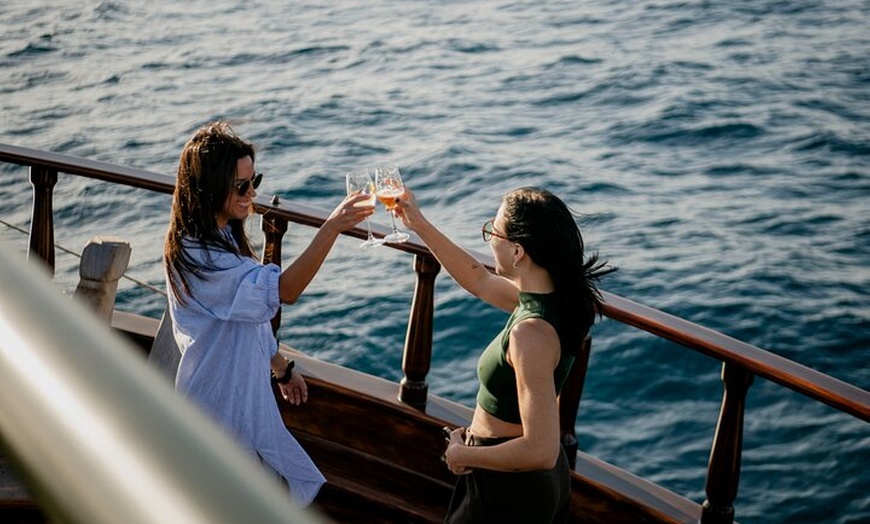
<point>79,256</point>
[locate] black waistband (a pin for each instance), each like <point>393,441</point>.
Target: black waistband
<point>474,440</point>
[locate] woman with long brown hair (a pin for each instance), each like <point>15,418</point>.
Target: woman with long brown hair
<point>222,300</point>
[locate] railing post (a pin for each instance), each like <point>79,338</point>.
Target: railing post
<point>417,356</point>
<point>274,228</point>
<point>42,215</point>
<point>723,470</point>
<point>103,263</point>
<point>569,401</point>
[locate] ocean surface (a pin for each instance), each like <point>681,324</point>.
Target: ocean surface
<point>718,153</point>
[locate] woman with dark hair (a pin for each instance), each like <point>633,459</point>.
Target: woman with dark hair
<point>510,463</point>
<point>222,300</point>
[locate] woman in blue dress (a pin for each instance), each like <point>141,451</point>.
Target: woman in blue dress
<point>222,300</point>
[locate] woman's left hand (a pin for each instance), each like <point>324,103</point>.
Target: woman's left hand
<point>296,390</point>
<point>351,211</point>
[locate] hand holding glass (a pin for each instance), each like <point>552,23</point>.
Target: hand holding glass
<point>361,182</point>
<point>388,182</point>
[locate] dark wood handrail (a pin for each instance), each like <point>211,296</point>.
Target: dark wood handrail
<point>807,381</point>
<point>96,169</point>
<point>741,361</point>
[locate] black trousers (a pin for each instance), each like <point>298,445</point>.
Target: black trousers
<point>523,497</point>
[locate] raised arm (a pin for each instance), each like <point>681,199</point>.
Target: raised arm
<point>463,267</point>
<point>301,271</point>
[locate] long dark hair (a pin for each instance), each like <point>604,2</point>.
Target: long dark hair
<point>206,174</point>
<point>541,222</point>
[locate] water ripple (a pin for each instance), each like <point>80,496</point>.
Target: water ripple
<point>716,152</point>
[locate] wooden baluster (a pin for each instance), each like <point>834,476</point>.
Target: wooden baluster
<point>274,228</point>
<point>104,261</point>
<point>417,356</point>
<point>723,470</point>
<point>569,401</point>
<point>42,217</point>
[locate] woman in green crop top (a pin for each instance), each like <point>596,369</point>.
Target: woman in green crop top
<point>510,463</point>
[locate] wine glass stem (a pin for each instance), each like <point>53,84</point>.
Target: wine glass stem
<point>369,225</point>
<point>393,219</point>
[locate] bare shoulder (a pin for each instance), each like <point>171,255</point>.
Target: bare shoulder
<point>534,331</point>
<point>531,339</point>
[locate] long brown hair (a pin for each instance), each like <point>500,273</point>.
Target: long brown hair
<point>206,174</point>
<point>539,221</point>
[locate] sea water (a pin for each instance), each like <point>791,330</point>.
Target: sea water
<point>718,153</point>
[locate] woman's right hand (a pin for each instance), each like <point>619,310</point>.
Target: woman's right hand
<point>455,447</point>
<point>408,211</point>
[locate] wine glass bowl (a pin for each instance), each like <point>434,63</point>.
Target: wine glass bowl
<point>389,187</point>
<point>360,181</point>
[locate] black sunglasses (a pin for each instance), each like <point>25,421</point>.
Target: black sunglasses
<point>242,186</point>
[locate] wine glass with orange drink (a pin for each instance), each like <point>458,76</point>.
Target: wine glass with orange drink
<point>389,187</point>
<point>360,181</point>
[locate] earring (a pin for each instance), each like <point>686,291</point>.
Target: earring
<point>515,266</point>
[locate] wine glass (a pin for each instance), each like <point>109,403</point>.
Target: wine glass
<point>360,181</point>
<point>388,182</point>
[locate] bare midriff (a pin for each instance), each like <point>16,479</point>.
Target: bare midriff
<point>485,425</point>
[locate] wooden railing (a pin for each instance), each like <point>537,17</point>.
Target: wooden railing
<point>741,362</point>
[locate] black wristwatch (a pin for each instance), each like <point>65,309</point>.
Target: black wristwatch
<point>285,378</point>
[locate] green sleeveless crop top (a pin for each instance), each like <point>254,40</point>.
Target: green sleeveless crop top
<point>498,382</point>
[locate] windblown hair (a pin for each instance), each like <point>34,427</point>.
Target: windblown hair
<point>206,174</point>
<point>545,227</point>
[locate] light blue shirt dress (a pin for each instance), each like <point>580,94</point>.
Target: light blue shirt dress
<point>226,342</point>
